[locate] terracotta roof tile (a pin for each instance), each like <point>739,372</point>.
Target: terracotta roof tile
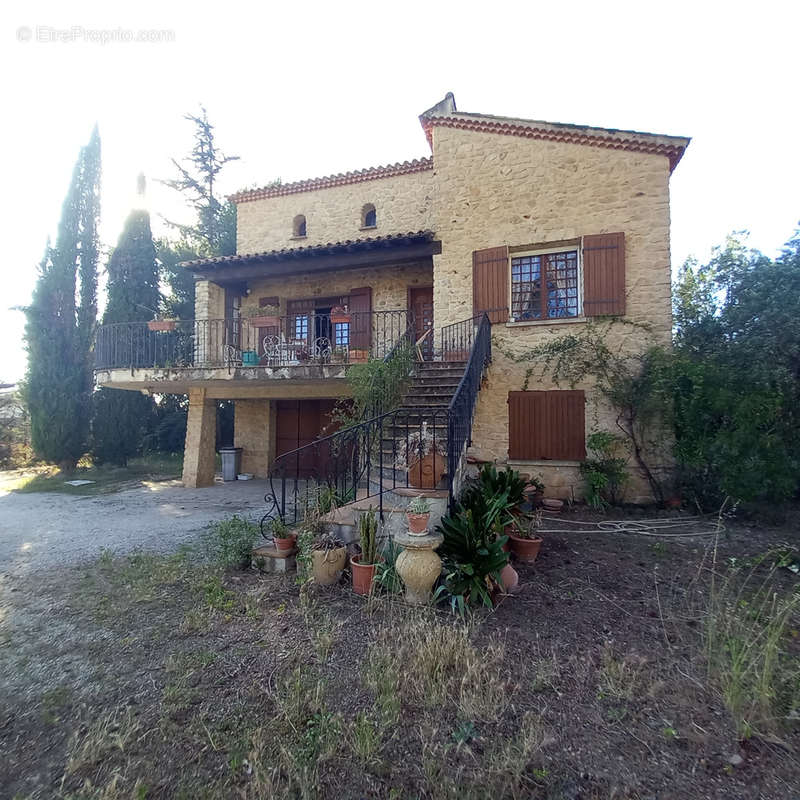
<point>313,249</point>
<point>341,179</point>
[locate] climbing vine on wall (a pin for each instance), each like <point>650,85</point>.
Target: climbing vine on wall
<point>636,384</point>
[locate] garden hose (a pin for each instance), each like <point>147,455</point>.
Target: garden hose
<point>697,526</point>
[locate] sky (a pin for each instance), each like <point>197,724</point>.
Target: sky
<point>305,89</point>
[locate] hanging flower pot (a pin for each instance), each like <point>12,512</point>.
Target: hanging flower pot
<point>265,321</point>
<point>162,324</point>
<point>339,315</point>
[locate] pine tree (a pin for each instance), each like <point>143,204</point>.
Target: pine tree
<point>60,329</point>
<point>122,418</point>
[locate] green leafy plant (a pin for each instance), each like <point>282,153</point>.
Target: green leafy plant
<point>491,483</point>
<point>279,529</point>
<point>605,473</point>
<point>368,537</point>
<point>419,505</point>
<point>472,550</point>
<point>386,575</point>
<point>230,541</point>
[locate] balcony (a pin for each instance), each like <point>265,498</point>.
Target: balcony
<point>308,346</point>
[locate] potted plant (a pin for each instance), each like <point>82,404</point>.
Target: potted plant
<point>328,557</point>
<point>525,543</point>
<point>534,491</point>
<point>365,564</point>
<point>423,455</point>
<point>418,513</point>
<point>162,324</point>
<point>266,317</point>
<point>282,535</point>
<point>359,355</point>
<point>339,314</point>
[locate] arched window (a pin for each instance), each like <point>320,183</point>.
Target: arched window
<point>369,219</point>
<point>299,226</point>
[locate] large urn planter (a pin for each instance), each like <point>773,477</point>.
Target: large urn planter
<point>327,565</point>
<point>526,550</point>
<point>426,472</point>
<point>363,575</point>
<point>162,324</point>
<point>418,565</point>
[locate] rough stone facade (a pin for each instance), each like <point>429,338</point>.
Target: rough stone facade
<point>254,432</point>
<point>402,203</point>
<point>201,428</point>
<point>493,190</point>
<point>389,285</point>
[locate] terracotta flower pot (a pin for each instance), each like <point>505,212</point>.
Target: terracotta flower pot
<point>363,575</point>
<point>327,565</point>
<point>418,523</point>
<point>554,506</point>
<point>425,473</point>
<point>265,321</point>
<point>358,356</point>
<point>525,550</point>
<point>509,578</point>
<point>339,318</point>
<point>286,543</point>
<point>162,324</point>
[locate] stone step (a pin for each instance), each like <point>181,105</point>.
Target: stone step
<point>436,381</point>
<point>437,365</point>
<point>423,399</point>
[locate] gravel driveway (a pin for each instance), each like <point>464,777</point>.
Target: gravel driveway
<point>44,530</point>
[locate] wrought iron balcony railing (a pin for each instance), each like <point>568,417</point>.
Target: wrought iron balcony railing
<point>296,340</point>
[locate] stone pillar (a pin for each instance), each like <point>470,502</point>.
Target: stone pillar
<point>209,314</point>
<point>201,429</point>
<point>254,432</point>
<point>418,565</point>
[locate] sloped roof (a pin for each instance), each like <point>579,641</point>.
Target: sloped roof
<point>340,179</point>
<point>445,114</point>
<point>330,248</point>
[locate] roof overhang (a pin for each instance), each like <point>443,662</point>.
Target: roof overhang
<point>445,114</point>
<point>376,251</point>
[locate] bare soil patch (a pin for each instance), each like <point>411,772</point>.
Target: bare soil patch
<point>152,676</point>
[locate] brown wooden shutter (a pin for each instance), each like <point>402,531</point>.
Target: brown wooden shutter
<point>604,274</point>
<point>360,318</point>
<point>546,426</point>
<point>490,270</point>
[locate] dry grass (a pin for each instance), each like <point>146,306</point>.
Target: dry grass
<point>750,631</point>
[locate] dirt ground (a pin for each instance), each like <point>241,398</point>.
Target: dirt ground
<point>47,530</point>
<point>151,677</point>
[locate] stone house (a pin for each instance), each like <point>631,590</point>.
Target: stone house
<point>545,226</point>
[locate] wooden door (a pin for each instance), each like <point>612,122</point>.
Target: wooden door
<point>299,423</point>
<point>420,304</point>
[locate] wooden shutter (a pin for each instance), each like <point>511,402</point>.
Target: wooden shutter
<point>546,426</point>
<point>604,274</point>
<point>360,318</point>
<point>490,270</point>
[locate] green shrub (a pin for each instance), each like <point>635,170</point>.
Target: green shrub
<point>605,473</point>
<point>230,542</point>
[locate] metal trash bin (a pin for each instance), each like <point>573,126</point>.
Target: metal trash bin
<point>231,462</point>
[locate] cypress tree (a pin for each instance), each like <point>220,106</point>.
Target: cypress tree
<point>121,417</point>
<point>60,327</point>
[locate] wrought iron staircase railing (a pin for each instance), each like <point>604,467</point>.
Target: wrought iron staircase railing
<point>389,450</point>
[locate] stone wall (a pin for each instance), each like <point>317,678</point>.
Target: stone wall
<point>492,190</point>
<point>402,203</point>
<point>389,285</point>
<point>254,432</point>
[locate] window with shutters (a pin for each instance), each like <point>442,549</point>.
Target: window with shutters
<point>547,426</point>
<point>545,285</point>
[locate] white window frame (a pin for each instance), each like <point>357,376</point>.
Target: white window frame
<point>542,251</point>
